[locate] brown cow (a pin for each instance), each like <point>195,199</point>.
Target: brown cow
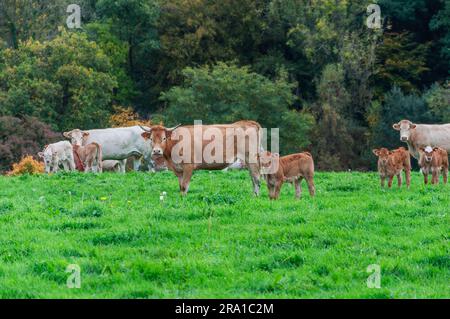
<point>434,160</point>
<point>392,163</point>
<point>91,157</point>
<point>290,168</point>
<point>206,147</point>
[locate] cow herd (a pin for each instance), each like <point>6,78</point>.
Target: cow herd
<point>184,149</point>
<point>427,143</point>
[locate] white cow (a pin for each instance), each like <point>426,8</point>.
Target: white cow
<point>117,143</point>
<point>60,153</point>
<point>421,135</point>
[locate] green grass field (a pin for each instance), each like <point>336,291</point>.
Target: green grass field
<point>220,241</point>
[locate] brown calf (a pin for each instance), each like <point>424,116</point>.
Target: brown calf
<point>392,163</point>
<point>90,156</point>
<point>290,168</point>
<point>434,160</point>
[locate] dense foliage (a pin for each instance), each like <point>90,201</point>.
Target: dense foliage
<point>311,68</point>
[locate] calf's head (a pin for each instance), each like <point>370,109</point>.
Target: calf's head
<point>76,137</point>
<point>158,136</point>
<point>427,153</point>
<point>49,158</point>
<point>269,164</point>
<point>405,127</point>
<point>383,154</point>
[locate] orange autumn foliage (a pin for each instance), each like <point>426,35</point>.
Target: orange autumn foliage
<point>27,165</point>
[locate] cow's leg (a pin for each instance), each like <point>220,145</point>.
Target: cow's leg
<point>390,181</point>
<point>382,180</point>
<point>298,187</point>
<point>311,186</point>
<point>136,164</point>
<point>186,179</point>
<point>445,174</point>
<point>253,168</point>
<point>123,165</point>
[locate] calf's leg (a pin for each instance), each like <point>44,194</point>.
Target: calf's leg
<point>298,187</point>
<point>445,174</point>
<point>408,176</point>
<point>390,181</point>
<point>311,186</point>
<point>435,178</point>
<point>399,179</point>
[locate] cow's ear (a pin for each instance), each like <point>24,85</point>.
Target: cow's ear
<point>41,154</point>
<point>67,134</point>
<point>146,135</point>
<point>276,154</point>
<point>412,126</point>
<point>86,134</point>
<point>396,126</point>
<point>435,148</point>
<point>421,149</point>
<point>376,151</point>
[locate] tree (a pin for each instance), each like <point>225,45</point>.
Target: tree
<point>21,20</point>
<point>438,101</point>
<point>332,153</point>
<point>65,82</point>
<point>400,62</point>
<point>441,22</point>
<point>227,93</point>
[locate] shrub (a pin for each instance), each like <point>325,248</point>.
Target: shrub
<point>28,165</point>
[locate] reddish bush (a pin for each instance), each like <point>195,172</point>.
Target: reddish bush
<point>22,136</point>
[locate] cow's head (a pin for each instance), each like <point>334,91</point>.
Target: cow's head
<point>427,153</point>
<point>50,161</point>
<point>76,137</point>
<point>158,136</point>
<point>383,154</point>
<point>405,127</point>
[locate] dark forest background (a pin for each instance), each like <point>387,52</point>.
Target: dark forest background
<point>312,68</point>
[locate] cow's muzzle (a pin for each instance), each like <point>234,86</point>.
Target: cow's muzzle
<point>157,152</point>
<point>404,139</point>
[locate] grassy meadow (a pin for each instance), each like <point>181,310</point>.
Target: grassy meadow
<point>220,241</point>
